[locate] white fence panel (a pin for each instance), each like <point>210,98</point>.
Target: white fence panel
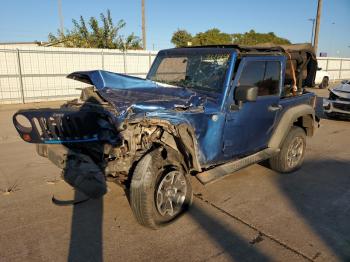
<point>346,64</point>
<point>41,75</point>
<point>42,72</point>
<point>338,68</point>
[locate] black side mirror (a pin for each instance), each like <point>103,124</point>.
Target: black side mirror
<point>246,93</point>
<point>319,68</point>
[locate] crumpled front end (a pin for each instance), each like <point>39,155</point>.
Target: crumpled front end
<point>338,102</point>
<point>76,137</point>
<point>91,141</point>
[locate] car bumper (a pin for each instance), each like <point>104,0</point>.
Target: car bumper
<point>336,107</point>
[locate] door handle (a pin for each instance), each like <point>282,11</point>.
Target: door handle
<point>274,108</point>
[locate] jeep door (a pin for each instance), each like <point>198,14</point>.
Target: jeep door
<point>249,127</point>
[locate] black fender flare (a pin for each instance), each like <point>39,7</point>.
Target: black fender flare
<point>301,115</point>
<point>184,141</point>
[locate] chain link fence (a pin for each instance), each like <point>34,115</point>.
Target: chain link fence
<point>39,74</point>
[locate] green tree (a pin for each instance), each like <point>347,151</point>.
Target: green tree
<point>215,37</point>
<point>94,35</point>
<point>181,38</point>
<point>212,37</point>
<point>254,38</point>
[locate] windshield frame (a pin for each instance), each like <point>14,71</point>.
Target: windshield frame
<point>194,51</point>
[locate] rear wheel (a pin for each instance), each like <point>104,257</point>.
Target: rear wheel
<point>160,190</point>
<point>292,153</point>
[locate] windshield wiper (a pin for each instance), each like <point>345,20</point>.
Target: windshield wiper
<point>163,84</point>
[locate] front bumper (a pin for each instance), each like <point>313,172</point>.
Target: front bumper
<point>336,107</point>
<point>78,170</point>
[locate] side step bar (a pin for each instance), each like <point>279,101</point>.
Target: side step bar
<point>223,170</point>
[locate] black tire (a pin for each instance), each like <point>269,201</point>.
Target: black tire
<point>285,161</point>
<point>324,83</point>
<point>146,195</point>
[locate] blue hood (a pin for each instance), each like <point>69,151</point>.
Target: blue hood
<point>102,79</point>
<point>127,92</point>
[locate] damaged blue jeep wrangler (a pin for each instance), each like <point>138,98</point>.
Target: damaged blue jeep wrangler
<point>201,111</point>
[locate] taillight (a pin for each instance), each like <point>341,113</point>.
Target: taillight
<point>26,137</point>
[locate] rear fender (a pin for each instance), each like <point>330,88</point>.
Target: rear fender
<point>301,115</point>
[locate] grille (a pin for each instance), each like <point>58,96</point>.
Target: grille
<point>333,96</point>
<point>345,107</point>
<point>57,126</point>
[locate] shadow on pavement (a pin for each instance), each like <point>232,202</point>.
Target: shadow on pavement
<point>79,169</point>
<point>230,242</point>
<point>320,192</point>
<point>86,242</point>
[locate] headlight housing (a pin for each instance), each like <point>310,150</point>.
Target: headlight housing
<point>332,96</point>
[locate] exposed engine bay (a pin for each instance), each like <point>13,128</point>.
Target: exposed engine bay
<point>338,102</point>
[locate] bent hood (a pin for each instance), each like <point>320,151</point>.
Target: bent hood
<point>137,94</point>
<point>342,90</point>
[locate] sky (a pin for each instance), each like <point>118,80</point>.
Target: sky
<point>29,20</point>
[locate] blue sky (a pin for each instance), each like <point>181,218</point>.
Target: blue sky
<point>28,20</point>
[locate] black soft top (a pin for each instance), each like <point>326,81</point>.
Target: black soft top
<point>302,56</point>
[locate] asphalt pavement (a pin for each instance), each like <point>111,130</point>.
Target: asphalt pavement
<point>255,214</point>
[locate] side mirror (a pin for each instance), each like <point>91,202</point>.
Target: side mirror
<point>246,93</point>
<point>319,68</point>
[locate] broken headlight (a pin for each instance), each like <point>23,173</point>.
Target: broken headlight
<point>332,96</point>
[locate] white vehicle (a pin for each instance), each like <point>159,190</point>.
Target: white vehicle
<point>322,78</point>
<point>338,102</point>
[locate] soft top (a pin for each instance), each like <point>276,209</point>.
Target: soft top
<point>302,56</point>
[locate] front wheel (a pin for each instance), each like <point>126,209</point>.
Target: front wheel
<point>292,153</point>
<point>160,190</point>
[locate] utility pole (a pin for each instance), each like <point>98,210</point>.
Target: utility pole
<point>313,29</point>
<point>331,39</point>
<point>60,16</point>
<point>318,20</point>
<point>143,26</point>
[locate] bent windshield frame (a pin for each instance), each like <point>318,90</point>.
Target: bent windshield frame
<point>205,70</point>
